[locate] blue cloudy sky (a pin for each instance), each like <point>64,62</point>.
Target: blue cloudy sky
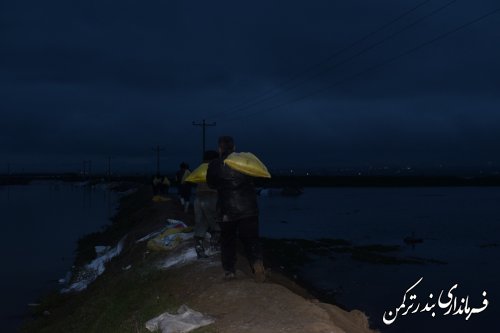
<point>313,84</point>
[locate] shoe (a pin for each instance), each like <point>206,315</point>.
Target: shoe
<point>228,275</point>
<point>259,271</point>
<point>200,250</point>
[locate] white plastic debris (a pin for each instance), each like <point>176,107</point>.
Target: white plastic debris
<point>127,192</point>
<point>149,236</point>
<point>171,223</point>
<point>175,223</point>
<point>65,279</point>
<point>92,270</point>
<point>99,250</point>
<point>181,258</point>
<point>185,320</point>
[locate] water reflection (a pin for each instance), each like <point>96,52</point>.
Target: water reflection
<point>457,225</point>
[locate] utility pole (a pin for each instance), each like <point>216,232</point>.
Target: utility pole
<point>8,172</point>
<point>109,168</point>
<point>84,168</point>
<point>90,169</point>
<point>204,125</point>
<point>158,149</point>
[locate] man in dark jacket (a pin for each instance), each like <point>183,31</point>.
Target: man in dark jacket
<point>237,210</point>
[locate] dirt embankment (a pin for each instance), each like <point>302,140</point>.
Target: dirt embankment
<point>242,305</point>
<point>135,289</point>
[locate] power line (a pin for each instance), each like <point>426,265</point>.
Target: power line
<point>345,61</point>
<point>109,167</point>
<point>330,57</point>
<point>372,68</point>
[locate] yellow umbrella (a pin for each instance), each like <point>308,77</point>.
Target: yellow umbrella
<point>248,164</point>
<point>199,175</point>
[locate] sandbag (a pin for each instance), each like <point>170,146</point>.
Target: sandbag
<point>159,198</point>
<point>248,164</point>
<point>184,321</point>
<point>199,175</point>
<point>169,239</point>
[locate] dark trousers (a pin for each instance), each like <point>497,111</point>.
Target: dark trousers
<point>247,230</point>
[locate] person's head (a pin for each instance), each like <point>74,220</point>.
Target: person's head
<point>210,155</point>
<point>226,145</point>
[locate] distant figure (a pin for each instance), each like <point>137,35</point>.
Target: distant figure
<point>412,240</point>
<point>164,185</point>
<point>156,183</point>
<point>205,214</point>
<point>184,187</point>
<point>237,210</point>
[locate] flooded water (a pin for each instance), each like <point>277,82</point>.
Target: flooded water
<point>41,224</point>
<point>459,226</point>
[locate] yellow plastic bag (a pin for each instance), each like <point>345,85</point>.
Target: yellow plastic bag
<point>248,164</point>
<point>159,198</point>
<point>199,175</point>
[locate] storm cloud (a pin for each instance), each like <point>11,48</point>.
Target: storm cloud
<point>310,84</point>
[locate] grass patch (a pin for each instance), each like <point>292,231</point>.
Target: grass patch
<point>377,258</point>
<point>378,248</point>
<point>294,253</point>
<point>113,303</point>
<point>118,301</point>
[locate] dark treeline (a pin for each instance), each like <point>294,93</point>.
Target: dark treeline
<point>26,179</point>
<point>377,181</point>
<point>280,181</point>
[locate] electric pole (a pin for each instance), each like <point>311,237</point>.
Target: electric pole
<point>109,168</point>
<point>204,125</point>
<point>158,149</point>
<point>87,169</point>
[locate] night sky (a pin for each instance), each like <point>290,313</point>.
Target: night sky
<point>302,84</point>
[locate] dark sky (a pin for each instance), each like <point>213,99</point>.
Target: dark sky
<point>87,79</point>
